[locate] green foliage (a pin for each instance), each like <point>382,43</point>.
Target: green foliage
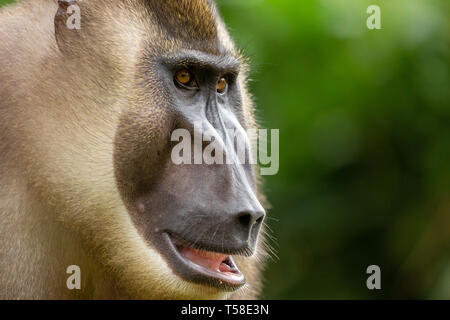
<point>4,2</point>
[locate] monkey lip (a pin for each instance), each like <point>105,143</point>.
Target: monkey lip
<point>209,267</point>
<point>215,262</point>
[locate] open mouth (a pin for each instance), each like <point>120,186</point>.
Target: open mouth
<point>213,268</point>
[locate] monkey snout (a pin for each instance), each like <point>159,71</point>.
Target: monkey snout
<point>243,227</point>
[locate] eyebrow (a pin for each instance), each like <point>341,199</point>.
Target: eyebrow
<point>221,63</point>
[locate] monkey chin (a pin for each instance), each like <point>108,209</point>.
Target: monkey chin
<point>176,287</point>
<point>185,290</point>
<point>199,265</point>
<point>191,273</point>
<point>143,271</point>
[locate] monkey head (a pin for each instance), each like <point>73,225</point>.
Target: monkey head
<point>196,215</point>
<point>117,88</point>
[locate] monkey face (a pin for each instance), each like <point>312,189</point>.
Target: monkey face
<point>198,215</point>
<point>94,116</point>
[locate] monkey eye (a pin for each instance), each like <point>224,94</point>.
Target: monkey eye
<point>222,85</point>
<point>185,78</point>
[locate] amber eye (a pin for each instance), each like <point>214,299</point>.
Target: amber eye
<point>222,85</point>
<point>183,76</point>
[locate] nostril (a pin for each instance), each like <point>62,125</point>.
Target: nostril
<point>248,220</point>
<point>245,227</point>
<point>245,219</point>
<point>259,220</point>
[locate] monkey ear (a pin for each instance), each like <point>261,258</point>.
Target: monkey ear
<point>67,24</point>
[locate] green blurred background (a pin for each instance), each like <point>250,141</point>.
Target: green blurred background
<point>364,119</point>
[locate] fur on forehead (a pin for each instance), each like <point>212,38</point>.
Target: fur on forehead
<point>175,25</point>
<point>186,19</point>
